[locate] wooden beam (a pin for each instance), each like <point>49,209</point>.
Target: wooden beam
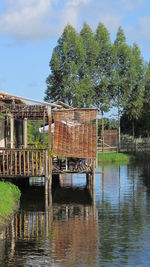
<point>50,126</point>
<point>25,132</point>
<point>11,131</point>
<point>49,147</point>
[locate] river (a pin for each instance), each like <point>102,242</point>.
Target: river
<point>75,227</point>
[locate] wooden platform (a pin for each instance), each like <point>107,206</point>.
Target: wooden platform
<point>17,163</point>
<point>23,162</point>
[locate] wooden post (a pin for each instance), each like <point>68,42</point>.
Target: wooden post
<point>49,147</point>
<point>19,133</point>
<point>25,132</point>
<point>49,127</point>
<point>66,164</point>
<point>11,131</point>
<point>87,180</point>
<point>46,186</point>
<point>6,131</point>
<point>44,127</point>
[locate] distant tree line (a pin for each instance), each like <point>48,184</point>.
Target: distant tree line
<point>87,69</point>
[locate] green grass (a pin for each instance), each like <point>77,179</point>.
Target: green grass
<point>114,157</point>
<point>9,196</point>
<point>122,157</point>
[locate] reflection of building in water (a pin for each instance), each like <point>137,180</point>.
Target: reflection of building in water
<point>62,233</point>
<point>75,233</point>
<point>75,237</point>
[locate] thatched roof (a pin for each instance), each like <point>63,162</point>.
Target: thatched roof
<point>8,100</point>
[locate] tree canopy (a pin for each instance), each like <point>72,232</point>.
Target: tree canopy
<point>88,70</point>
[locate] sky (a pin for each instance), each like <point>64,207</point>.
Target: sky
<point>29,30</point>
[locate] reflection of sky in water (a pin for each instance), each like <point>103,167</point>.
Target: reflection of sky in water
<point>115,183</point>
<point>79,180</point>
<point>114,232</point>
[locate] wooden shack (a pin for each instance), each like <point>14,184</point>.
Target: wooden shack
<point>73,147</point>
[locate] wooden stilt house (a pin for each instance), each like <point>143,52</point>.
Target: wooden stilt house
<point>73,147</point>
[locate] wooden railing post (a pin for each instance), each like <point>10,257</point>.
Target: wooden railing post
<point>11,131</point>
<point>25,132</point>
<point>49,147</point>
<point>24,162</point>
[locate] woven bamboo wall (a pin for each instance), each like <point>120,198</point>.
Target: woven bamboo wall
<point>75,133</point>
<point>111,137</point>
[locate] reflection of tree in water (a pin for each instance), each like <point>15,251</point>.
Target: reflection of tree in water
<point>145,174</point>
<point>145,177</point>
<point>66,234</point>
<point>70,233</point>
<point>121,226</point>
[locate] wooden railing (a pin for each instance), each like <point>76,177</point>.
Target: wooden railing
<point>23,162</point>
<point>104,147</point>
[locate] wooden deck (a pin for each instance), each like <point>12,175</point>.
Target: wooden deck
<point>23,162</point>
<point>15,163</point>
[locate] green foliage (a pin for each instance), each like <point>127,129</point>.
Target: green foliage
<point>114,157</point>
<point>121,74</point>
<point>134,99</point>
<point>103,72</point>
<point>138,107</point>
<point>110,124</point>
<point>9,195</point>
<point>36,138</point>
<point>145,116</point>
<point>66,64</point>
<point>88,70</point>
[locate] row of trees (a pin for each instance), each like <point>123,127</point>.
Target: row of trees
<point>87,69</point>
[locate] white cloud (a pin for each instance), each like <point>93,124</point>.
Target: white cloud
<point>69,16</point>
<point>38,19</point>
<point>71,12</point>
<point>141,33</point>
<point>26,19</point>
<point>130,5</point>
<point>144,29</point>
<point>76,3</point>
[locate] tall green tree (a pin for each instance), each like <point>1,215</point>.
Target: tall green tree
<point>67,58</point>
<point>134,99</point>
<point>145,118</point>
<point>121,74</point>
<point>103,72</point>
<point>91,51</point>
<point>87,70</point>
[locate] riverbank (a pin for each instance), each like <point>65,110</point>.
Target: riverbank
<point>122,157</point>
<point>9,196</point>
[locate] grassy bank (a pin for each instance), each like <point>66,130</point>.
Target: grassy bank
<point>9,196</point>
<point>122,157</point>
<point>114,157</point>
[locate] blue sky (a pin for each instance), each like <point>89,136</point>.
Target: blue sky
<point>29,30</point>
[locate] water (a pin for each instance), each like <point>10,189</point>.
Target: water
<point>77,227</point>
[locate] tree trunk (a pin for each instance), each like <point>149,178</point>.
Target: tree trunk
<point>119,127</point>
<point>102,131</point>
<point>133,130</point>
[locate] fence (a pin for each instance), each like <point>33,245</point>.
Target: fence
<point>23,162</point>
<point>127,145</point>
